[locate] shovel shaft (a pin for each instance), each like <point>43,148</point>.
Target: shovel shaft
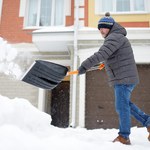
<point>72,72</point>
<point>100,67</point>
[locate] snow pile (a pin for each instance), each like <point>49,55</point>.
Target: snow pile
<point>7,56</point>
<point>21,113</point>
<point>23,127</point>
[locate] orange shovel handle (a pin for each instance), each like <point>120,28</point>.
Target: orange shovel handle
<point>100,67</point>
<point>72,72</point>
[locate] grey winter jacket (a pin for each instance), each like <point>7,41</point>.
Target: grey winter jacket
<point>117,55</point>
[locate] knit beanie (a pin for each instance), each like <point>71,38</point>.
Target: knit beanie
<point>106,21</point>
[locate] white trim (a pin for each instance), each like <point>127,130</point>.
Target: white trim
<point>83,54</point>
<point>1,7</point>
<point>81,23</point>
<point>81,2</point>
<point>67,7</point>
<point>82,80</point>
<point>41,100</point>
<point>22,8</point>
<point>26,14</point>
<point>127,13</point>
<point>81,12</point>
<point>38,13</point>
<point>141,53</point>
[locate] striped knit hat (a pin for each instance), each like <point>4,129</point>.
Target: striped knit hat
<point>106,22</point>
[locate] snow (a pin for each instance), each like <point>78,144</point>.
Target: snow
<point>22,126</point>
<point>7,57</point>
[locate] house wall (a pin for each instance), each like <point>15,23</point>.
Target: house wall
<point>70,17</point>
<point>13,88</point>
<point>11,27</point>
<point>12,21</point>
<point>127,20</point>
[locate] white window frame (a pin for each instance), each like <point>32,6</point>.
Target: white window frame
<point>1,5</point>
<point>99,4</point>
<point>38,14</point>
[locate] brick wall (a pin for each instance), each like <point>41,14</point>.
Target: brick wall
<point>11,27</point>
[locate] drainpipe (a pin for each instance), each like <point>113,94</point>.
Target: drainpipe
<point>75,55</point>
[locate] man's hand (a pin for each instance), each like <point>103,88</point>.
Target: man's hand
<point>81,70</point>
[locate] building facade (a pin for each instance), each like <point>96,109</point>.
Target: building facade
<point>65,32</point>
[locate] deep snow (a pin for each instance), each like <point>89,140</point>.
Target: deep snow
<point>24,127</point>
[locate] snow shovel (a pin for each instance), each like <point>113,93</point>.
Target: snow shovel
<point>48,75</point>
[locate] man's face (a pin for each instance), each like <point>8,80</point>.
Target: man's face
<point>104,32</point>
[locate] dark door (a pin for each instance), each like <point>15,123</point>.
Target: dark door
<point>60,105</point>
<point>99,112</point>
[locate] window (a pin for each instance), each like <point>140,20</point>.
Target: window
<point>120,6</point>
<point>44,13</point>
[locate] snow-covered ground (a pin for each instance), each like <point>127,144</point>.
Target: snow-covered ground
<point>24,127</point>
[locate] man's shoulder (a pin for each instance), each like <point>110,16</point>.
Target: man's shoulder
<point>115,36</point>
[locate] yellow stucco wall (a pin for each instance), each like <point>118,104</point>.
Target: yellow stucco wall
<point>93,19</point>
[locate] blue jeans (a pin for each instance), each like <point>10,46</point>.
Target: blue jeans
<point>125,108</point>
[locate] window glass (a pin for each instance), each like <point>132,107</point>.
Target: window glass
<point>59,11</point>
<point>32,13</point>
<point>107,5</point>
<point>45,13</point>
<point>123,5</point>
<point>139,5</point>
<point>120,5</point>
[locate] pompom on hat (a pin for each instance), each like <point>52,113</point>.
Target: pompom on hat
<point>106,22</point>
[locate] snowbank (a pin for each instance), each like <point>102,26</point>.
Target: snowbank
<point>23,127</point>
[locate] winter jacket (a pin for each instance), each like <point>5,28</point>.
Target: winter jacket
<point>117,55</point>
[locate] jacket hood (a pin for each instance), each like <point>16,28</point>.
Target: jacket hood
<point>117,28</point>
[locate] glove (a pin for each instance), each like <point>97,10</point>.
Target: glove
<point>81,70</point>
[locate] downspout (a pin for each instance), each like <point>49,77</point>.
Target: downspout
<point>75,55</point>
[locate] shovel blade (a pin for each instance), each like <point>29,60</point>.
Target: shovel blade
<point>45,74</point>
